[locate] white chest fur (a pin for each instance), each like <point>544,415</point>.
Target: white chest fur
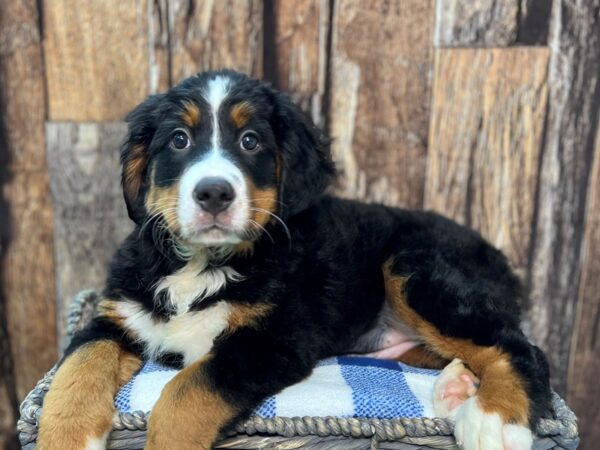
<point>190,333</point>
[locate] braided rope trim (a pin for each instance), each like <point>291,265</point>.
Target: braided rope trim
<point>563,427</point>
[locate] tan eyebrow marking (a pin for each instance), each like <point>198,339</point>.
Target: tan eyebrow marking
<point>241,113</point>
<point>190,114</point>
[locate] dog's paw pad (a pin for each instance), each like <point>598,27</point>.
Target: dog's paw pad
<point>452,387</point>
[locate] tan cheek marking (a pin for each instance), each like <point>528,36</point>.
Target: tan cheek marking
<point>241,114</point>
<point>502,390</point>
<point>163,201</point>
<point>134,172</point>
<point>79,405</point>
<point>261,199</point>
<point>188,414</point>
<point>244,248</point>
<point>190,114</point>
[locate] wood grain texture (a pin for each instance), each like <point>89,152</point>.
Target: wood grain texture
<point>382,59</point>
<point>90,218</point>
<point>583,389</point>
<point>27,261</point>
<point>485,142</point>
<point>208,34</point>
<point>574,108</point>
<point>96,58</point>
<point>300,52</point>
<point>469,23</point>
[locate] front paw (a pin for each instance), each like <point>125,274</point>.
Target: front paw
<point>477,430</point>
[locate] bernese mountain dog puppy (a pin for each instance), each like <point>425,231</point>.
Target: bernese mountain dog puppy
<point>244,273</point>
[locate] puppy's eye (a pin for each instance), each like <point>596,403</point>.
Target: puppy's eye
<point>249,141</point>
<point>180,140</point>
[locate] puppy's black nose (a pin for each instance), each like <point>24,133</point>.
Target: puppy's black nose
<point>214,194</point>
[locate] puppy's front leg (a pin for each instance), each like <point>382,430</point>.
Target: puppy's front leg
<point>220,388</point>
<point>79,406</point>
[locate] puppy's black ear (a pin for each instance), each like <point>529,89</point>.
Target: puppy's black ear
<point>142,122</point>
<point>306,166</point>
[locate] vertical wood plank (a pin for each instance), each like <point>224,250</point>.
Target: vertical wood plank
<point>27,260</point>
<point>379,113</point>
<point>574,108</point>
<point>468,23</point>
<point>207,34</point>
<point>485,142</point>
<point>583,389</point>
<point>491,23</point>
<point>90,218</point>
<point>96,56</point>
<point>300,52</point>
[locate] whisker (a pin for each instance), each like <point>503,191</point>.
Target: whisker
<point>279,219</point>
<point>262,228</point>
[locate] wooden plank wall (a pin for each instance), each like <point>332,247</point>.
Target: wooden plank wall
<point>487,111</point>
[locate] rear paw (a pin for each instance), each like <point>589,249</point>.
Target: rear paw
<point>477,430</point>
<point>452,387</point>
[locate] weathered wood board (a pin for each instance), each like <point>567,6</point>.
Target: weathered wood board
<point>96,58</point>
<point>491,23</point>
<point>574,108</point>
<point>486,23</point>
<point>379,113</point>
<point>300,37</point>
<point>90,218</point>
<point>214,35</point>
<point>583,389</point>
<point>485,142</point>
<point>27,277</point>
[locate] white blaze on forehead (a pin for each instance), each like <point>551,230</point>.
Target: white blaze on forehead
<point>216,91</point>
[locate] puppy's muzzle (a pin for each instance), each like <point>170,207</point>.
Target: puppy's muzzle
<point>214,194</point>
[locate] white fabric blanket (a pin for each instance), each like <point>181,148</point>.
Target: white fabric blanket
<point>345,386</point>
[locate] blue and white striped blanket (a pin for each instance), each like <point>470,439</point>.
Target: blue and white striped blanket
<point>345,386</point>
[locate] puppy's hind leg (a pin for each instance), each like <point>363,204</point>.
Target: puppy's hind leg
<point>476,325</point>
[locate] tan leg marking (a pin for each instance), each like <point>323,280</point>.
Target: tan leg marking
<point>502,390</point>
<point>80,403</point>
<point>421,356</point>
<point>241,114</point>
<point>247,315</point>
<point>189,413</point>
<point>107,308</point>
<point>190,114</point>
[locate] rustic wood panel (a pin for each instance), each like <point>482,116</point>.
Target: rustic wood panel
<point>96,58</point>
<point>583,390</point>
<point>379,112</point>
<point>492,23</point>
<point>159,52</point>
<point>485,142</point>
<point>467,23</point>
<point>574,103</point>
<point>213,35</point>
<point>90,218</point>
<point>27,268</point>
<point>300,51</point>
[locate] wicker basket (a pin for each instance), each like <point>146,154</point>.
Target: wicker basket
<point>284,433</point>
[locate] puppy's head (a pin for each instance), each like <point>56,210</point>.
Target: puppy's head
<point>219,157</point>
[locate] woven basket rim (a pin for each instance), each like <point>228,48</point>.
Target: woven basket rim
<point>563,426</point>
